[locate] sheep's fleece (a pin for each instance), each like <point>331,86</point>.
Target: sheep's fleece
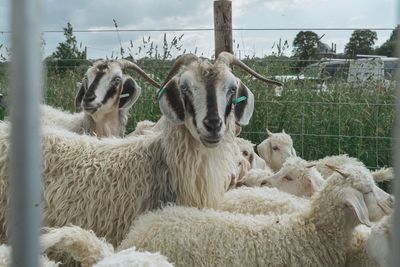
<point>317,236</point>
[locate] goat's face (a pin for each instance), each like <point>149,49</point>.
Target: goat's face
<point>105,89</point>
<point>201,97</point>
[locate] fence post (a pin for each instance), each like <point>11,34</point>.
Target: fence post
<point>25,156</point>
<point>223,26</point>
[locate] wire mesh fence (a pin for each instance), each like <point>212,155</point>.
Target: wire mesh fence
<point>325,114</point>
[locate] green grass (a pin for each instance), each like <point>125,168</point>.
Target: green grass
<point>346,119</point>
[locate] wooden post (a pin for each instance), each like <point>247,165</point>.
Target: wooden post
<point>223,26</point>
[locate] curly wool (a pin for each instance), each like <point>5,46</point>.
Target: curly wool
<point>104,184</point>
<point>5,258</point>
<point>317,236</point>
<point>261,200</point>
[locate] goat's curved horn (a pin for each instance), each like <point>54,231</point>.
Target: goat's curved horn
<point>183,60</point>
<point>128,64</point>
<point>229,59</point>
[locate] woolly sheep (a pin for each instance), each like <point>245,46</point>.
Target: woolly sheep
<point>379,242</point>
<point>276,149</point>
<point>103,185</point>
<point>317,236</point>
<point>279,146</point>
<point>105,95</point>
<point>85,247</point>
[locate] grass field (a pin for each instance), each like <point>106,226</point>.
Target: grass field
<point>352,119</point>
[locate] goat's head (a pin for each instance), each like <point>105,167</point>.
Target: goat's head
<point>276,149</point>
<point>202,96</point>
<point>296,177</point>
<point>105,88</point>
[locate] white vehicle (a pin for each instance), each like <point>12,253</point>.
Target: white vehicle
<point>358,71</point>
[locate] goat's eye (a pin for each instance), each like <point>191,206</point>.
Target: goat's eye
<point>245,153</point>
<point>116,79</point>
<point>232,89</point>
<point>275,148</point>
<point>369,192</point>
<point>288,178</point>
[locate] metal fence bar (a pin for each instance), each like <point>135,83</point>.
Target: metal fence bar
<point>395,260</point>
<point>25,178</point>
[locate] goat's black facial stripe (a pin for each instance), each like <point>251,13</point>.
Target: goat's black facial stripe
<point>190,108</point>
<point>174,100</point>
<point>110,93</point>
<point>240,107</point>
<point>95,83</point>
<point>211,96</point>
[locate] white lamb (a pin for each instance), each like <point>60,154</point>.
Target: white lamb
<point>276,149</point>
<point>104,184</point>
<point>317,236</point>
<point>279,146</point>
<point>296,177</point>
<point>105,95</point>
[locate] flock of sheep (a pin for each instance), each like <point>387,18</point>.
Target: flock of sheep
<point>186,190</point>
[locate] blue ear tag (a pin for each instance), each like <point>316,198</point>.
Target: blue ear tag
<point>160,93</point>
<point>239,99</point>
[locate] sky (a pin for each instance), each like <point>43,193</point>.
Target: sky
<point>198,14</point>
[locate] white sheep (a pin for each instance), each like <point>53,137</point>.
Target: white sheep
<point>317,236</point>
<point>279,146</point>
<point>379,245</point>
<point>104,184</point>
<point>296,177</point>
<point>276,149</point>
<point>85,247</point>
<point>105,95</point>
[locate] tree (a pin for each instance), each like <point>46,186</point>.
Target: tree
<point>69,48</point>
<point>361,42</point>
<point>388,48</point>
<point>306,46</point>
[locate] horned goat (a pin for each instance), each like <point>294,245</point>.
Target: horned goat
<point>104,184</point>
<point>105,96</point>
<point>317,236</point>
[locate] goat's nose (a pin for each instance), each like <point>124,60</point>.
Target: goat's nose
<point>212,124</point>
<point>89,98</point>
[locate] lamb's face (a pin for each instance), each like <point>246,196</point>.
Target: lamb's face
<point>202,98</point>
<point>105,89</point>
<point>379,202</point>
<point>296,177</point>
<point>276,149</point>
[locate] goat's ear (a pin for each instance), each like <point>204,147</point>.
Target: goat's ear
<point>170,102</point>
<point>244,109</point>
<point>79,95</point>
<point>130,93</point>
<point>355,200</point>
